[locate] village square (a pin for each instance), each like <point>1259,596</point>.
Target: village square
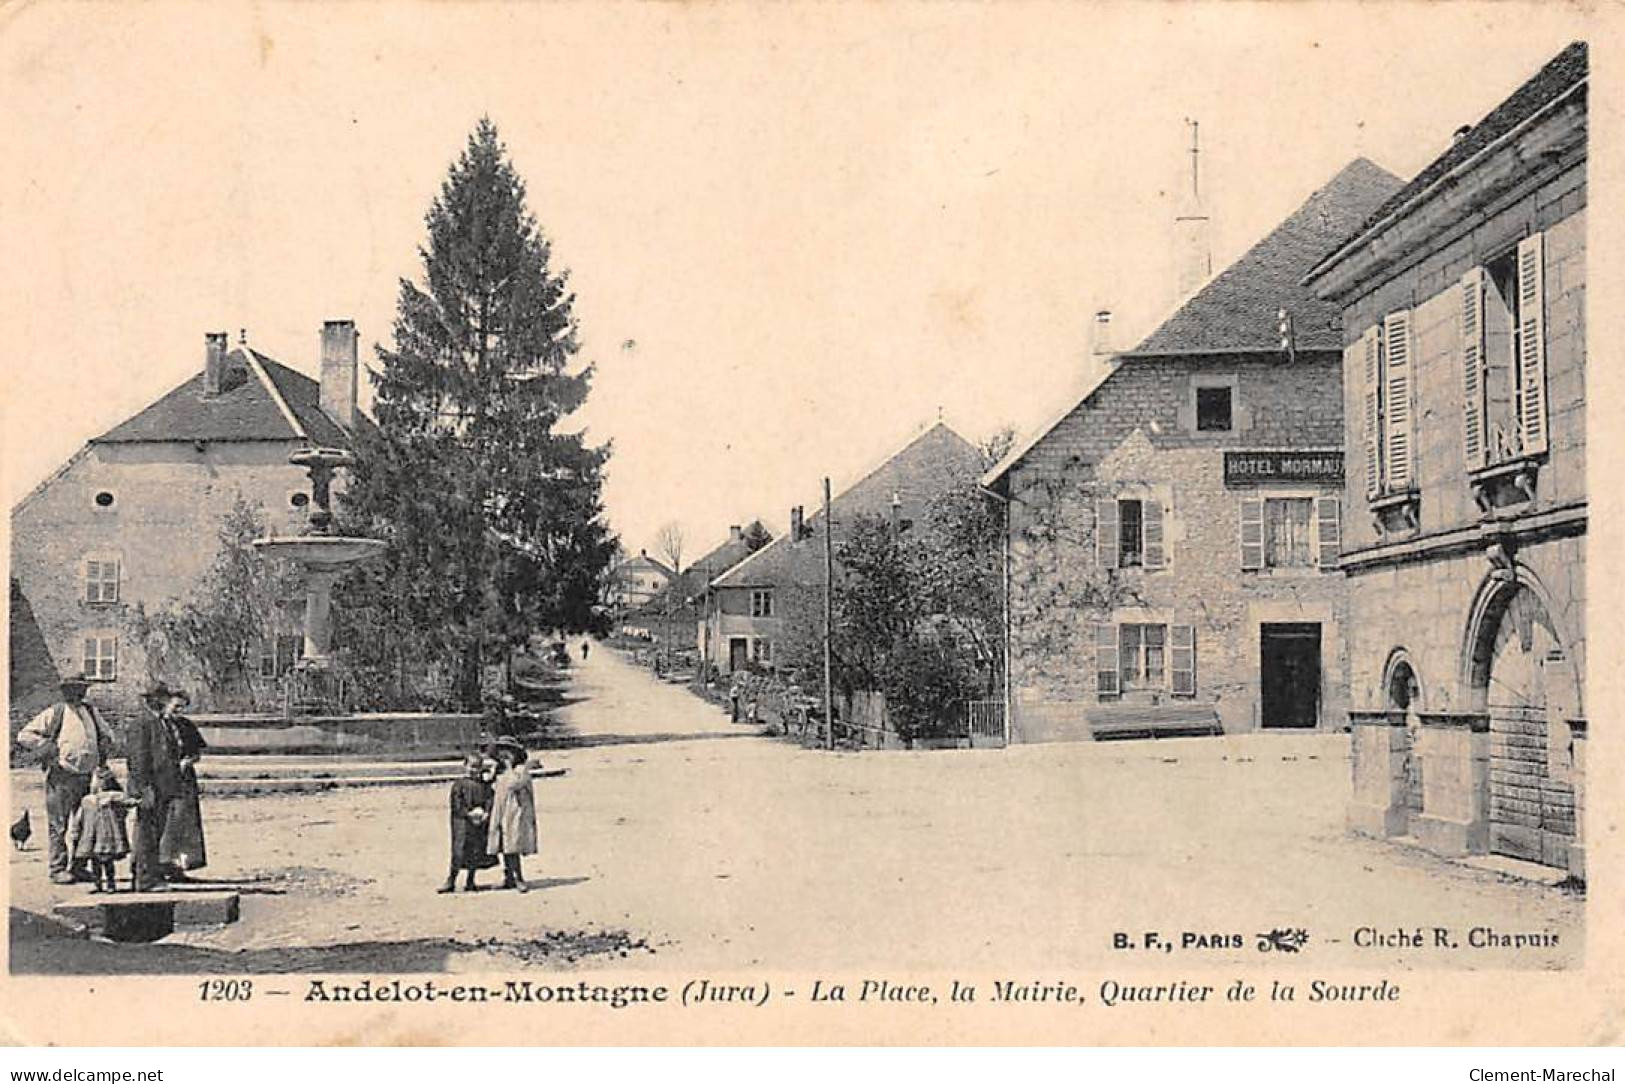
<point>1270,638</point>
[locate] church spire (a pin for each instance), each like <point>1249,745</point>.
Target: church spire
<point>1193,250</point>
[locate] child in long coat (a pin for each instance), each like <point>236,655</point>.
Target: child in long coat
<point>98,832</point>
<point>513,814</point>
<point>470,816</point>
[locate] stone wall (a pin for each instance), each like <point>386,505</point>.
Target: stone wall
<point>1136,434</point>
<point>168,502</point>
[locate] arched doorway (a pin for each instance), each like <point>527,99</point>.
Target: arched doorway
<point>1523,679</point>
<point>1404,694</point>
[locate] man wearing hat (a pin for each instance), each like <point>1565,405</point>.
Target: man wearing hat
<point>153,748</point>
<point>71,741</point>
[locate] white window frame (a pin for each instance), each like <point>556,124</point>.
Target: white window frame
<point>1142,682</point>
<point>100,589</point>
<point>1317,545</point>
<point>761,602</point>
<point>761,651</point>
<point>1109,529</point>
<point>99,655</point>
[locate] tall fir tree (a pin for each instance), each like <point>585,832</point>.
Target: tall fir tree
<point>494,517</point>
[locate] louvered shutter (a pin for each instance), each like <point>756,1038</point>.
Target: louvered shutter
<point>112,659</point>
<point>1182,659</point>
<point>1475,442</point>
<point>1106,532</point>
<point>89,668</point>
<point>87,580</point>
<point>1252,533</point>
<point>1328,530</point>
<point>1151,533</point>
<point>1370,353</point>
<point>1106,660</point>
<point>1532,345</point>
<point>1396,397</point>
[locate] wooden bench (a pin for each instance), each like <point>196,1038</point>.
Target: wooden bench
<point>1123,722</point>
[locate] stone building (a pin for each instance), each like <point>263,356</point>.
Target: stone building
<point>133,517</point>
<point>1463,302</point>
<point>1172,539</point>
<point>634,582</point>
<point>746,607</point>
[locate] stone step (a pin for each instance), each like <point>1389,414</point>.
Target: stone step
<point>148,916</point>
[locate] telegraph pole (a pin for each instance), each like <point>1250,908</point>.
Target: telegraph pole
<point>829,621</point>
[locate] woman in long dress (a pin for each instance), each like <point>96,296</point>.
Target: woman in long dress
<point>181,848</point>
<point>513,814</point>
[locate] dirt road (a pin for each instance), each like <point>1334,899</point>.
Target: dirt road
<point>686,841</point>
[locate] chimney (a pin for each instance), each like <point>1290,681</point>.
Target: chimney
<point>735,533</point>
<point>795,524</point>
<point>339,370</point>
<point>1193,248</point>
<point>1100,335</point>
<point>214,362</point>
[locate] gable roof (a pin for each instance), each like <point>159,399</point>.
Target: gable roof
<point>1567,70</point>
<point>260,399</point>
<point>925,468</point>
<point>1237,310</point>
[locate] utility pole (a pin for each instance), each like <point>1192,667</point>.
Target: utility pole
<point>829,621</point>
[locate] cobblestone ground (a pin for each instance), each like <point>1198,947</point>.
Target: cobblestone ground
<point>685,841</point>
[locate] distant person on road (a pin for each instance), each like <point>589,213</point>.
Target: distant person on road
<point>470,819</point>
<point>72,742</point>
<point>586,646</point>
<point>513,813</point>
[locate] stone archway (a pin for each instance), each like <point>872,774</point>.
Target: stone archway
<point>1402,692</point>
<point>1520,675</point>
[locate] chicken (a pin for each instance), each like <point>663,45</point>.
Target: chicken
<point>21,830</point>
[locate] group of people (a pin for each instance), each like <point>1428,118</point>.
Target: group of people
<point>88,812</point>
<point>493,816</point>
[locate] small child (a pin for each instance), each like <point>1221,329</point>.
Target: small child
<point>470,813</point>
<point>98,834</point>
<point>513,814</point>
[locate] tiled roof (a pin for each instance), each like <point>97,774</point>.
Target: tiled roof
<point>1560,74</point>
<point>930,465</point>
<point>1237,310</point>
<point>247,408</point>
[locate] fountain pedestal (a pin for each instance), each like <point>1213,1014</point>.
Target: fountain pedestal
<point>322,557</point>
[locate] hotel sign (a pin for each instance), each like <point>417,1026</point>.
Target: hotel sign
<point>1250,468</point>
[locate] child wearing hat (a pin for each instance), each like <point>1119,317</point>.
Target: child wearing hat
<point>513,813</point>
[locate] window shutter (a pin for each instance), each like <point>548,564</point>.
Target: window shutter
<point>1329,530</point>
<point>1396,363</point>
<point>1151,534</point>
<point>1252,533</point>
<point>1106,661</point>
<point>1371,366</point>
<point>88,669</point>
<point>1474,440</point>
<point>1106,532</point>
<point>112,658</point>
<point>1182,659</point>
<point>1532,345</point>
<point>87,580</point>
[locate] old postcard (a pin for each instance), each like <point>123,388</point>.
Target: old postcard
<point>935,524</point>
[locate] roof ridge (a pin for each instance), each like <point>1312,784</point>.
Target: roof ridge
<point>253,358</point>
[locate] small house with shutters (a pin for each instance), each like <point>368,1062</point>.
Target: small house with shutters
<point>1463,321</point>
<point>1173,537</point>
<point>132,520</point>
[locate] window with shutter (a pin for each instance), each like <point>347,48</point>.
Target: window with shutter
<point>1475,442</point>
<point>1370,348</point>
<point>1396,396</point>
<point>1182,659</point>
<point>1155,555</point>
<point>1532,345</point>
<point>1106,661</point>
<point>1106,532</point>
<point>1252,533</point>
<point>1328,531</point>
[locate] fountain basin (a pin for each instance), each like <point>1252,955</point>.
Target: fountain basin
<point>321,552</point>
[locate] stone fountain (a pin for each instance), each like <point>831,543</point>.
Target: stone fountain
<point>322,557</point>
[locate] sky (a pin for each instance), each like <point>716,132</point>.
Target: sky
<point>796,234</point>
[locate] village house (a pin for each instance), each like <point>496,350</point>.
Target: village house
<point>1172,538</point>
<point>746,606</point>
<point>1463,301</point>
<point>671,616</point>
<point>634,582</point>
<point>133,517</point>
